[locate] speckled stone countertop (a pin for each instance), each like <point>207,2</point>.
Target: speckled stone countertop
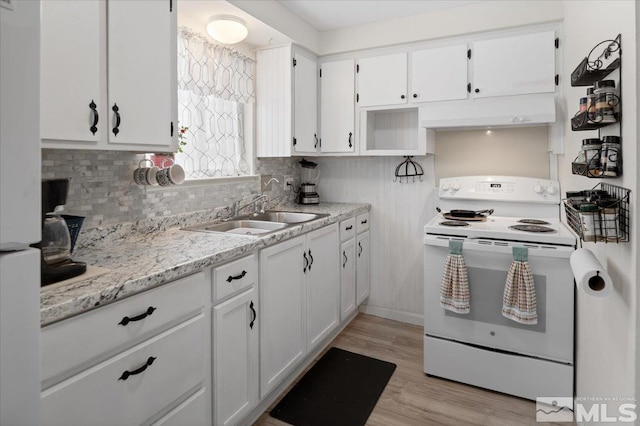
<point>143,257</point>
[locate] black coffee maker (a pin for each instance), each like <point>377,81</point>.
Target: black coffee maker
<point>55,247</point>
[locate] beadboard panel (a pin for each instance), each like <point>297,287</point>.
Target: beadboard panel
<point>398,215</point>
<point>273,100</point>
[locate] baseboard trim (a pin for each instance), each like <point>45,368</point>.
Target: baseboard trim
<point>406,317</point>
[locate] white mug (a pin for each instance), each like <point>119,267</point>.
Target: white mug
<point>172,175</point>
<point>146,175</point>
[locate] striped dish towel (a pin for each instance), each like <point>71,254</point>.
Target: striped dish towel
<point>454,287</point>
<point>519,299</point>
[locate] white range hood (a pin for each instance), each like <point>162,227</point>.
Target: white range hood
<point>492,112</point>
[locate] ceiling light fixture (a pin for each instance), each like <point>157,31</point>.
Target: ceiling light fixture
<point>227,29</point>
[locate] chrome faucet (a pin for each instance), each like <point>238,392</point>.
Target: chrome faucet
<point>254,201</point>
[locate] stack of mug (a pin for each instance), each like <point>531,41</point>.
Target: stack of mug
<point>172,174</point>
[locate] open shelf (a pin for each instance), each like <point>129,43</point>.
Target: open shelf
<point>588,121</point>
<point>593,69</point>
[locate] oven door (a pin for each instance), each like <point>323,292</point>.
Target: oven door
<point>487,263</point>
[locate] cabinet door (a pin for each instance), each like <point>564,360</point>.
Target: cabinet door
<point>363,274</point>
<point>337,126</point>
<point>348,278</point>
<point>282,320</point>
<point>323,294</point>
<point>305,105</point>
<point>514,65</point>
<point>382,80</point>
<point>71,70</point>
<point>142,73</point>
<point>235,357</point>
<point>439,74</point>
<point>273,102</point>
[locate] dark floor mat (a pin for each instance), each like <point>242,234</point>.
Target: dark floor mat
<point>341,389</point>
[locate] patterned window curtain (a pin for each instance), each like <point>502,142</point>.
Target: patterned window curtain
<point>214,85</point>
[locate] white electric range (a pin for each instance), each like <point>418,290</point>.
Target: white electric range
<point>483,348</point>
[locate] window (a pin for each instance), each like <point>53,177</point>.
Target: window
<point>215,92</point>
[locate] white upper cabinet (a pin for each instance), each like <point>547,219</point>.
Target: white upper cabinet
<point>382,80</point>
<point>286,102</point>
<point>97,55</point>
<point>72,71</point>
<point>142,66</point>
<point>337,107</point>
<point>439,74</point>
<point>305,104</point>
<point>514,65</point>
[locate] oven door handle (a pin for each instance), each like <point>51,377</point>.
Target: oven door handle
<point>501,247</point>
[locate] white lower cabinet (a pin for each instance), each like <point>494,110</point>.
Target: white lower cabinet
<point>133,386</point>
<point>322,285</point>
<point>235,357</point>
<point>363,267</point>
<point>299,300</point>
<point>282,319</point>
<point>347,278</point>
<point>192,412</point>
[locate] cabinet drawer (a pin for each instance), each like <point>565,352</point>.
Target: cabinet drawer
<point>347,229</point>
<point>234,276</point>
<point>362,222</point>
<point>95,335</point>
<point>104,395</point>
<point>192,412</point>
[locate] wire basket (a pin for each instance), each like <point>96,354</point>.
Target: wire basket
<point>608,224</point>
<point>74,223</point>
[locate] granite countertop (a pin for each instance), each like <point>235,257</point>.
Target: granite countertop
<point>144,258</point>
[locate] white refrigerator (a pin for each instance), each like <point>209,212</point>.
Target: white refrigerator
<point>20,200</point>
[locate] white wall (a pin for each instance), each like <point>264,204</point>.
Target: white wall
<point>521,151</point>
<point>398,215</point>
<point>484,16</point>
<point>606,327</point>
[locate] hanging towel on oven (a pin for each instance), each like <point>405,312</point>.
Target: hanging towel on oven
<point>519,299</point>
<point>454,287</point>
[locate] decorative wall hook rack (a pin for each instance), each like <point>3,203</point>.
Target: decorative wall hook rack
<point>408,169</point>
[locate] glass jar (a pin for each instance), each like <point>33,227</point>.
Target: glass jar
<point>591,101</point>
<point>609,215</point>
<point>610,159</point>
<point>604,92</point>
<point>589,220</point>
<point>591,154</point>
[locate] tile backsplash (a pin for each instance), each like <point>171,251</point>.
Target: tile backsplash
<point>102,187</point>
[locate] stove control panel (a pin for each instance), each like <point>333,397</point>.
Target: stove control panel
<point>500,188</point>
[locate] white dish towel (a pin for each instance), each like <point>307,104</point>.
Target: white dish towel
<point>519,299</point>
<point>454,287</point>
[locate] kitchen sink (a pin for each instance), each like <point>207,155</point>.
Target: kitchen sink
<point>285,217</point>
<point>258,225</point>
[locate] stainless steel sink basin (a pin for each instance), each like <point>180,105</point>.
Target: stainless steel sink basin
<point>258,225</point>
<point>286,217</point>
<point>242,227</point>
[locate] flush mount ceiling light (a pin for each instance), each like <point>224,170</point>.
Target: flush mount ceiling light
<point>227,29</point>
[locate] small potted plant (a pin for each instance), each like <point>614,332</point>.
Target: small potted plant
<point>167,159</point>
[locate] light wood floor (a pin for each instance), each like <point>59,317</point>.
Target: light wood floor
<point>411,397</point>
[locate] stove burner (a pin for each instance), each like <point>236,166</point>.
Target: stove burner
<point>534,222</point>
<point>454,223</point>
<point>532,228</point>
